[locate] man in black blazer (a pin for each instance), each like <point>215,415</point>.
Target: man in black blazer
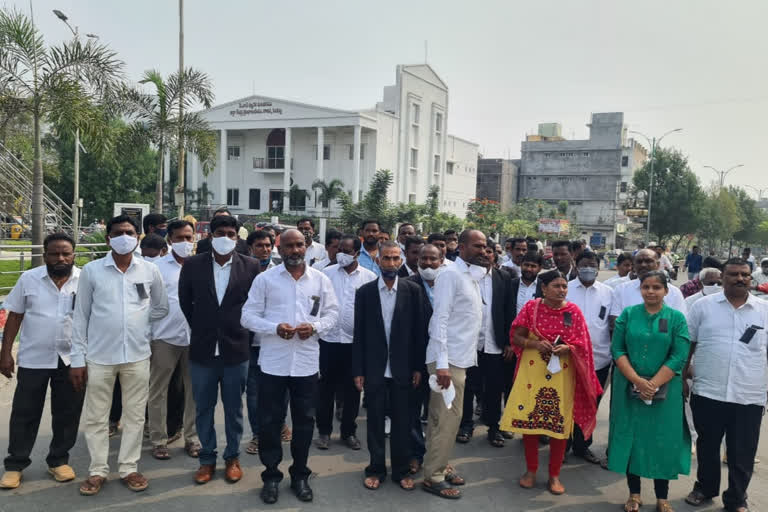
<point>212,290</point>
<point>413,245</point>
<point>204,244</point>
<point>387,358</point>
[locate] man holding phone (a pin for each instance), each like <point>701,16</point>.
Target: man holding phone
<point>730,384</point>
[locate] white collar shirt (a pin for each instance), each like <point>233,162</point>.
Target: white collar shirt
<point>616,281</point>
<point>595,302</point>
<point>456,318</point>
<point>388,298</point>
<point>511,264</point>
<point>276,297</point>
<point>759,277</point>
<point>628,294</point>
<point>486,340</point>
<point>322,264</point>
<point>315,252</point>
<point>46,330</point>
<point>345,286</point>
<point>172,329</point>
<point>221,275</point>
<point>113,311</point>
<point>727,369</point>
<point>524,294</point>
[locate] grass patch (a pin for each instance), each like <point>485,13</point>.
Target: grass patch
<point>7,281</point>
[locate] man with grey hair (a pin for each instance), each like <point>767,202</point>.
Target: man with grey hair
<point>712,281</point>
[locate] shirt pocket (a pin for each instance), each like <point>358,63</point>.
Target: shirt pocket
<point>137,292</point>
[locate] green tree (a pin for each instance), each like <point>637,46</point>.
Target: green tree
<point>374,204</point>
<point>676,196</point>
<point>720,217</point>
<point>329,191</point>
<point>59,83</point>
<point>751,216</point>
<point>486,216</point>
<point>296,196</point>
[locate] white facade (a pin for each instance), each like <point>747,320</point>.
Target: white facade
<point>266,145</point>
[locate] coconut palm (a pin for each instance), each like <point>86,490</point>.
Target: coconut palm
<point>59,84</point>
<point>329,191</point>
<point>155,117</point>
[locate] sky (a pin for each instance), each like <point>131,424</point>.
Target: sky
<point>699,65</point>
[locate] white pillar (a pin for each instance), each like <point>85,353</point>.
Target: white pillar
<point>320,152</point>
<point>194,171</point>
<point>356,165</point>
<point>222,199</point>
<point>167,167</point>
<point>287,172</point>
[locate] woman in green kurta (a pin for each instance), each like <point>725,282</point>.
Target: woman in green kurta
<point>648,437</point>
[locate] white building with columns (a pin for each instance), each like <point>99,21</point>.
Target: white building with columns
<point>267,145</point>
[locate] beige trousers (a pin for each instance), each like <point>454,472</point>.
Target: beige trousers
<point>443,425</point>
<point>165,358</point>
<point>134,382</point>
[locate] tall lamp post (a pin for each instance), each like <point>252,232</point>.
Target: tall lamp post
<point>652,142</point>
<point>722,174</point>
<point>760,191</point>
<point>76,179</point>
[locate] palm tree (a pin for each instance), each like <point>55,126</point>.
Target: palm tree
<point>328,192</point>
<point>296,196</point>
<point>59,83</point>
<point>155,117</point>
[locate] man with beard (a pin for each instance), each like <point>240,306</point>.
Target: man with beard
<point>517,247</point>
<point>453,333</point>
<point>451,245</point>
<point>41,304</point>
<point>370,231</point>
<point>315,252</point>
<point>410,253</point>
<point>563,258</point>
<point>289,324</point>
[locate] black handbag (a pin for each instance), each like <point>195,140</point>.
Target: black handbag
<point>661,394</point>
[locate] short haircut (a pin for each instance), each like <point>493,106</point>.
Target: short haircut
<point>179,224</point>
<point>404,224</point>
<point>707,271</point>
<point>533,257</point>
<point>384,232</point>
<point>490,244</point>
<point>736,262</point>
<point>658,274</point>
<point>306,219</point>
<point>433,237</point>
<point>59,236</point>
<point>546,278</point>
<point>355,241</point>
<point>225,221</point>
<point>711,261</point>
<point>153,241</point>
<point>388,244</point>
<point>223,209</point>
<point>449,232</point>
<point>370,221</point>
<point>587,255</point>
<point>695,247</point>
<point>119,220</point>
<point>332,235</point>
<point>412,240</point>
<point>746,249</point>
<point>532,246</point>
<point>259,234</point>
<point>624,256</point>
<point>515,241</point>
<point>561,243</point>
<point>153,219</point>
<point>576,245</point>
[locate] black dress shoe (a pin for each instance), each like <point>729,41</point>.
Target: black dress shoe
<point>302,490</point>
<point>269,492</point>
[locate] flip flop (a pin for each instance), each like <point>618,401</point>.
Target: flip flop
<point>438,489</point>
<point>370,486</point>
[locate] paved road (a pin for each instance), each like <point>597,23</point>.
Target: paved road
<point>492,474</point>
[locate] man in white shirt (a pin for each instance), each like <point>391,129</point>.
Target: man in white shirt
<point>711,278</point>
<point>336,348</point>
<point>439,241</point>
<point>332,239</point>
<point>170,348</point>
<point>594,299</point>
<point>517,247</point>
<point>730,383</point>
<point>41,305</point>
<point>315,252</point>
<point>289,307</point>
<point>623,269</point>
<point>760,276</point>
<point>453,331</point>
<point>117,298</point>
<point>628,293</point>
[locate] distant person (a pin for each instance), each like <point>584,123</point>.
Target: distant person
<point>405,230</point>
<point>156,223</point>
<point>760,277</point>
<point>712,283</point>
<point>332,239</point>
<point>747,256</point>
<point>315,252</point>
<point>563,258</point>
<point>517,247</point>
<point>694,285</point>
<point>370,234</point>
<point>411,251</point>
<point>452,244</point>
<point>693,263</point>
<point>384,236</point>
<point>623,268</point>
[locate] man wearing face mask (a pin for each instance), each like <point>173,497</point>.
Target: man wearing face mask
<point>204,245</point>
<point>117,298</point>
<point>155,223</point>
<point>336,348</point>
<point>595,301</point>
<point>212,290</point>
<point>411,251</point>
<point>712,281</point>
<point>153,247</point>
<point>453,332</point>
<point>170,348</point>
<point>315,252</point>
<point>41,305</point>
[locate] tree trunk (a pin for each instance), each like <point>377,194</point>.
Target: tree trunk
<point>38,209</point>
<point>159,185</point>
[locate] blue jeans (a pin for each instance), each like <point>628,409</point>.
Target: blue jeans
<point>206,380</point>
<point>252,392</point>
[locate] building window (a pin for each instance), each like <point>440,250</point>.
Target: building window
<point>449,168</point>
<point>233,153</point>
<point>623,187</point>
<point>414,136</point>
<point>437,164</point>
<point>438,123</point>
<point>258,162</point>
<point>276,149</point>
<point>416,113</point>
<point>625,161</point>
<point>362,151</point>
<point>414,159</point>
<point>585,154</point>
<point>233,197</point>
<point>546,155</point>
<point>350,151</point>
<point>254,199</point>
<point>411,198</point>
<point>301,200</point>
<point>326,151</point>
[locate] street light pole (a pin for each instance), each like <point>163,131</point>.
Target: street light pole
<point>722,174</point>
<point>759,191</point>
<point>181,182</point>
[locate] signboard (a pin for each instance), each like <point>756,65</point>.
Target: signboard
<point>246,108</point>
<point>596,240</point>
<point>637,212</point>
<point>555,226</point>
<point>136,211</point>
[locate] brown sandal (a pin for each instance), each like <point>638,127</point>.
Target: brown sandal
<point>556,489</point>
<point>633,504</point>
<point>372,483</point>
<point>407,484</point>
<point>135,482</point>
<point>192,448</point>
<point>664,506</point>
<point>452,477</point>
<point>527,481</point>
<point>92,485</point>
<point>160,452</point>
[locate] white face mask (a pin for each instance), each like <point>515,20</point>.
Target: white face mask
<point>429,273</point>
<point>477,272</point>
<point>344,260</point>
<point>223,245</point>
<point>712,289</point>
<point>123,244</point>
<point>183,249</point>
<point>151,258</point>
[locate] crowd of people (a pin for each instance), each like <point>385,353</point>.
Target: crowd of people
<point>421,330</point>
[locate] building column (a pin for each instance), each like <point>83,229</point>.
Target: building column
<point>194,170</point>
<point>287,172</point>
<point>223,168</point>
<point>356,164</point>
<point>320,143</point>
<point>167,167</point>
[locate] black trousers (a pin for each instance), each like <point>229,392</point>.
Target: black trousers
<point>27,411</point>
<point>741,426</point>
<point>336,379</point>
<point>660,487</point>
<point>580,444</point>
<point>473,387</point>
<point>418,444</point>
<point>487,382</point>
<point>302,393</point>
<point>397,397</point>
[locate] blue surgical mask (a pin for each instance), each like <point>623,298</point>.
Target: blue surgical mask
<point>161,232</point>
<point>588,274</point>
<point>265,263</point>
<point>388,274</point>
